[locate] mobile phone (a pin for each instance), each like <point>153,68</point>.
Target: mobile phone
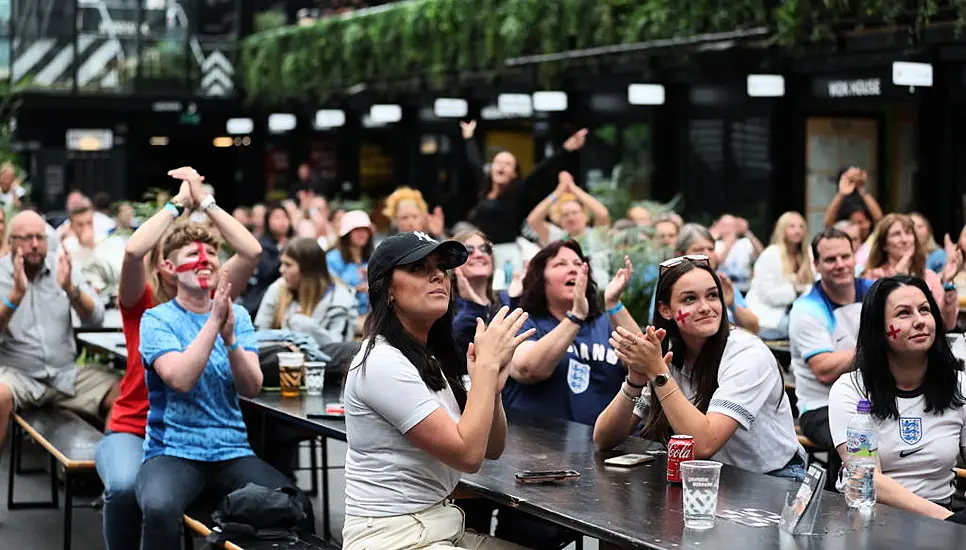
<point>546,476</point>
<point>626,461</point>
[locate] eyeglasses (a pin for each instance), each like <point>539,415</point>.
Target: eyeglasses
<point>483,248</point>
<point>35,237</point>
<point>674,262</point>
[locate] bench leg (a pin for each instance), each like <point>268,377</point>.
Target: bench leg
<point>313,467</point>
<point>326,527</point>
<point>68,507</point>
<point>15,449</point>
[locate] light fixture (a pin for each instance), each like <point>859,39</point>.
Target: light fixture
<point>549,101</point>
<point>281,122</point>
<point>329,118</point>
<point>645,94</point>
<point>449,107</point>
<point>520,105</point>
<point>766,85</point>
<point>907,73</point>
<point>236,126</point>
<point>385,114</point>
<point>90,140</point>
<point>223,141</point>
<point>159,141</point>
<point>246,141</point>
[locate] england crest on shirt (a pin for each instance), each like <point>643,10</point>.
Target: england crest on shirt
<point>578,376</point>
<point>910,429</point>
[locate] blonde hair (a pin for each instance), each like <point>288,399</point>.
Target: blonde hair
<point>564,198</point>
<point>401,195</point>
<point>878,257</point>
<point>931,244</point>
<point>789,261</point>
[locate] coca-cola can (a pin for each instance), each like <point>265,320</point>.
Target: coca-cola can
<point>679,449</point>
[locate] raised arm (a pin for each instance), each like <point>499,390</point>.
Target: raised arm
<point>538,183</point>
<point>247,249</point>
<point>537,219</point>
<point>142,242</point>
<point>597,209</point>
<point>618,314</point>
<point>534,362</point>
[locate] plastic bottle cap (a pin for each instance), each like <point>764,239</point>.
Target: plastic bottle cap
<point>864,406</point>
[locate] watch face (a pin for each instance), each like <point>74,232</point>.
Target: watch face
<point>660,380</point>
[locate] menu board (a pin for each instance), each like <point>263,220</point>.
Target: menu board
<point>831,145</point>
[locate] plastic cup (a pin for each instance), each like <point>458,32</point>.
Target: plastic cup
<point>700,480</point>
<point>314,377</point>
<point>290,367</point>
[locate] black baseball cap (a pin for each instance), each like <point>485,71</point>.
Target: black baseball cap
<point>410,247</point>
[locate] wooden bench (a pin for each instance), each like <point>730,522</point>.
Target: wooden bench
<point>199,528</point>
<point>69,440</point>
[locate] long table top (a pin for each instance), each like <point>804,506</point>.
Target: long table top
<point>636,508</point>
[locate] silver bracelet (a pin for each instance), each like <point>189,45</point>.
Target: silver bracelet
<point>628,396</point>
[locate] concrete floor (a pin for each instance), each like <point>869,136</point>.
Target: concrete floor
<point>41,529</point>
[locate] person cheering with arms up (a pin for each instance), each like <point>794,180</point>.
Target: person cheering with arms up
<point>199,355</point>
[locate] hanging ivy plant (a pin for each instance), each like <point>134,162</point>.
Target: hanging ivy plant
<point>397,45</point>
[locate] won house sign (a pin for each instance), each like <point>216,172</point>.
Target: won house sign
<point>864,87</point>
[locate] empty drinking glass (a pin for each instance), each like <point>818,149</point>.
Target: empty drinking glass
<point>314,377</point>
<point>700,479</point>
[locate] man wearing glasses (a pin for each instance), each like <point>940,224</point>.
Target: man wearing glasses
<point>37,348</point>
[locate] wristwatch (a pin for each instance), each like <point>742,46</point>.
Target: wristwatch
<point>207,202</point>
<point>660,380</point>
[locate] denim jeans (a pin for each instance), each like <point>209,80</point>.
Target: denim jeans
<point>118,458</point>
<point>167,486</point>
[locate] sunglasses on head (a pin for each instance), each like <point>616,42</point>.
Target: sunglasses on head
<point>699,259</point>
<point>484,248</point>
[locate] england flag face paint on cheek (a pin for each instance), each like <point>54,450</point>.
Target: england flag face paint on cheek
<point>682,316</point>
<point>193,267</point>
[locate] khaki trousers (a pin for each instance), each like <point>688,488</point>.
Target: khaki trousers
<point>439,527</point>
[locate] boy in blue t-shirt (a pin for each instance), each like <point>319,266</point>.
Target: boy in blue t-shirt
<point>199,354</point>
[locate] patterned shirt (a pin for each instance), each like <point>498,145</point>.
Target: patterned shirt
<point>204,423</point>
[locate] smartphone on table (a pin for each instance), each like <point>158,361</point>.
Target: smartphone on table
<point>629,460</point>
<point>546,476</point>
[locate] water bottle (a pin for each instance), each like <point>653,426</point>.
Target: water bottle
<point>863,454</point>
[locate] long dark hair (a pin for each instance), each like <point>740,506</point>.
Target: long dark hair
<point>940,386</point>
<point>345,248</point>
<point>534,297</point>
<point>438,362</point>
<point>704,372</point>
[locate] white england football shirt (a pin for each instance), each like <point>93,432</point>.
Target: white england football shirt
<point>919,449</point>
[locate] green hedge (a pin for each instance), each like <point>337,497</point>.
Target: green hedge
<point>434,38</point>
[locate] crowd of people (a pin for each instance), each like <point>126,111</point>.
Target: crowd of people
<point>440,328</point>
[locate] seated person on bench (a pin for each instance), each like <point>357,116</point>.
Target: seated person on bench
<point>37,347</point>
<point>199,354</point>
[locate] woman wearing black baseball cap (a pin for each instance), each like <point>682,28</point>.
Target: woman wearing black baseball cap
<point>412,425</point>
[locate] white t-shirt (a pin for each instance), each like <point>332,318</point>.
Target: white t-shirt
<point>918,449</point>
<point>385,474</point>
<point>750,391</point>
<point>739,263</point>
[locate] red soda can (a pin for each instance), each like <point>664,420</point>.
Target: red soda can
<point>679,449</point>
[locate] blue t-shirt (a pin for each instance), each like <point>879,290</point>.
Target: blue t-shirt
<point>350,273</point>
<point>583,383</point>
<point>204,424</point>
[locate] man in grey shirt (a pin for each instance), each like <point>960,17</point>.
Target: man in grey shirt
<point>37,347</point>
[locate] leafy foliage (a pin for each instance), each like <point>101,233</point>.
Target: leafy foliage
<point>399,44</point>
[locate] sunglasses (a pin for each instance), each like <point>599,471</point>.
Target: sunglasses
<point>699,259</point>
<point>483,248</point>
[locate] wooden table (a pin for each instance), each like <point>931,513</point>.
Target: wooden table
<point>636,508</point>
